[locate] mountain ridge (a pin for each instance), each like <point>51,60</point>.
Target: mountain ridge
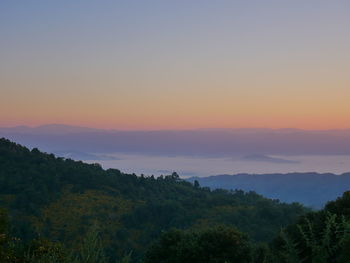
<point>182,142</point>
<point>309,188</point>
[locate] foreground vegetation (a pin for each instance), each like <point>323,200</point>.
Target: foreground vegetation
<point>60,210</point>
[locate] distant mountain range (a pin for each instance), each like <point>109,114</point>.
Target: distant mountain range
<point>310,189</point>
<point>49,129</point>
<point>251,143</point>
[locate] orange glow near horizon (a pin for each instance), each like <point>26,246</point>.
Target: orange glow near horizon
<point>252,65</point>
<point>189,124</point>
<point>230,103</point>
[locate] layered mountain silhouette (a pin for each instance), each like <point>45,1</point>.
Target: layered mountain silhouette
<point>310,189</point>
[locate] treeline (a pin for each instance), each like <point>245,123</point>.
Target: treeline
<point>56,202</point>
<point>42,250</point>
<point>317,237</point>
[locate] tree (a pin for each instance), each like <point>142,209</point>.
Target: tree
<point>196,184</point>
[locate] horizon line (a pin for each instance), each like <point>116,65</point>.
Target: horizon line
<point>48,125</point>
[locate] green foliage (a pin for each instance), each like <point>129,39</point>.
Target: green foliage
<point>290,252</point>
<point>315,241</point>
<point>46,251</point>
<point>125,259</point>
<point>60,199</point>
<point>92,250</point>
<point>8,252</point>
<point>262,254</point>
<point>214,245</point>
<point>341,206</point>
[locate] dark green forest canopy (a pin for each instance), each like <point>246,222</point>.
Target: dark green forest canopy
<point>60,198</point>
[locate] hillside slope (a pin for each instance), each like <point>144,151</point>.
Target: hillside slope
<point>60,199</point>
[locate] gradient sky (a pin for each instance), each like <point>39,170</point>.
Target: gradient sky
<point>178,64</point>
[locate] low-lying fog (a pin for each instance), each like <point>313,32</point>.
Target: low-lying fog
<point>216,151</point>
<point>205,166</point>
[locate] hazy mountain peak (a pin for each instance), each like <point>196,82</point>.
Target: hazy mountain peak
<point>54,128</point>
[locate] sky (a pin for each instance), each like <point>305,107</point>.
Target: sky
<point>181,64</point>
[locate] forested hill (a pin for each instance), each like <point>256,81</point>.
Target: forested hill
<point>60,199</point>
<point>311,189</point>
